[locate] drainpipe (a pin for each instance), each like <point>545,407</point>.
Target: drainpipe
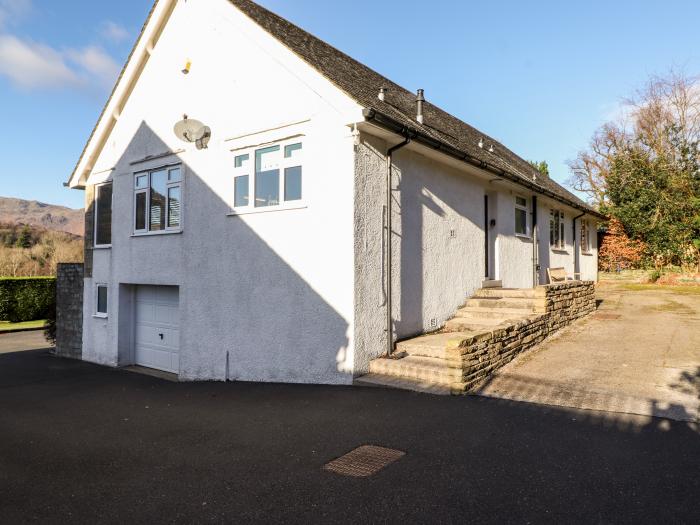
<point>389,317</point>
<point>576,248</point>
<point>535,246</point>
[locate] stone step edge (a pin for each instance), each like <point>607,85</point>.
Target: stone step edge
<point>407,383</point>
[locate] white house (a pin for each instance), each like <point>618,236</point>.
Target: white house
<point>264,256</point>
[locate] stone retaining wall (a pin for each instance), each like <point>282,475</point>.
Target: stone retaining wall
<point>556,305</point>
<point>69,310</point>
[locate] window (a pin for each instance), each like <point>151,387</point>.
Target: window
<point>556,229</point>
<point>103,214</point>
<point>521,216</point>
<point>585,236</point>
<point>101,300</point>
<point>268,177</point>
<point>158,200</point>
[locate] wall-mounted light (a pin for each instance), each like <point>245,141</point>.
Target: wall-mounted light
<point>186,69</point>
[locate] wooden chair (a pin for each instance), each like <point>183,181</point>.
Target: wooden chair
<point>558,275</point>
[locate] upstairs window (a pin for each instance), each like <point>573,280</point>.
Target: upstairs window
<point>556,229</point>
<point>103,214</point>
<point>521,216</point>
<point>158,200</point>
<point>585,236</point>
<point>268,177</point>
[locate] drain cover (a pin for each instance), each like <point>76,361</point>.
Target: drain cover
<point>364,461</point>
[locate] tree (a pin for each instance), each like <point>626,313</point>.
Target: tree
<point>25,238</point>
<point>541,166</point>
<point>618,251</point>
<point>644,170</point>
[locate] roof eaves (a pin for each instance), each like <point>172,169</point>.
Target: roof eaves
<point>388,123</point>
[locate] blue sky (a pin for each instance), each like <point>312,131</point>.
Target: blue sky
<point>538,76</point>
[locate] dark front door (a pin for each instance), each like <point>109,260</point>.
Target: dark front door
<point>486,236</point>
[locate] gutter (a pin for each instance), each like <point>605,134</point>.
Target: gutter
<point>390,124</point>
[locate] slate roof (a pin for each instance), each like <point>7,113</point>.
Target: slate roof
<point>362,84</point>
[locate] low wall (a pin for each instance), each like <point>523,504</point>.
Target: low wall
<point>69,310</point>
<point>556,305</point>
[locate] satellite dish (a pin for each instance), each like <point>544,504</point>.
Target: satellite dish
<point>191,130</point>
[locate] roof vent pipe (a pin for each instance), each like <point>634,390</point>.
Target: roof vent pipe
<point>420,99</point>
<point>382,94</point>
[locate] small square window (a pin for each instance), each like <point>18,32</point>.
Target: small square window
<point>141,181</point>
<point>174,175</point>
<point>292,151</point>
<point>101,309</point>
<point>241,161</point>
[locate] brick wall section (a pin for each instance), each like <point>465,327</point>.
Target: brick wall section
<point>69,310</point>
<point>557,305</point>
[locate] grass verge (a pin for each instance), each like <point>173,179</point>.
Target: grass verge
<point>6,326</point>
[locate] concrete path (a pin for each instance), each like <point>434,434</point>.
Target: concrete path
<point>639,354</point>
<point>20,341</point>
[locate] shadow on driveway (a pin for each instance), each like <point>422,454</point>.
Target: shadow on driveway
<point>81,443</point>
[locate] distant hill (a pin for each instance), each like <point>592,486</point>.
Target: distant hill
<point>39,214</point>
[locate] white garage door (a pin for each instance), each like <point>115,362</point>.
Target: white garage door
<point>157,335</point>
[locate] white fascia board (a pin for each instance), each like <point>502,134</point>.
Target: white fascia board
<point>160,13</point>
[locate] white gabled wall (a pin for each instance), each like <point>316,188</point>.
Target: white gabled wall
<point>271,294</point>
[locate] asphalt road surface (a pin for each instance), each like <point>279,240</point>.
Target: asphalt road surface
<point>80,443</point>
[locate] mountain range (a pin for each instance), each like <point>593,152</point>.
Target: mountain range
<point>40,214</point>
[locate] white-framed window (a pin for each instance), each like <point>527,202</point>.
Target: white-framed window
<point>268,176</point>
<point>586,243</point>
<point>103,215</point>
<point>101,300</point>
<point>521,216</point>
<point>557,239</point>
<point>158,200</point>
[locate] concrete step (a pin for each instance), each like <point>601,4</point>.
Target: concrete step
<point>504,292</point>
<point>473,325</point>
<point>385,381</point>
<point>501,302</point>
<point>490,283</point>
<point>420,368</point>
<point>494,313</point>
<point>438,346</point>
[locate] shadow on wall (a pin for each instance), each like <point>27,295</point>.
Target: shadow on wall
<point>414,201</point>
<point>245,313</point>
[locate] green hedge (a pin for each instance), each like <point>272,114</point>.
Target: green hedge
<point>27,298</point>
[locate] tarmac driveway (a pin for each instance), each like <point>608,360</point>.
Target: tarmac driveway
<point>639,354</point>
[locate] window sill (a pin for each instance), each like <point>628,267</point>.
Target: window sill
<point>102,247</point>
<point>269,209</point>
<point>99,316</point>
<point>152,234</point>
<point>560,251</point>
<point>587,254</point>
<point>524,236</point>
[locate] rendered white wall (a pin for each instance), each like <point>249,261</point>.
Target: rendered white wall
<point>269,293</point>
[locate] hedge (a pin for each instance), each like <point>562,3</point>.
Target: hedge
<point>27,298</point>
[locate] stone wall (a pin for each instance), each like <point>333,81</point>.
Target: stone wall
<point>556,305</point>
<point>69,310</point>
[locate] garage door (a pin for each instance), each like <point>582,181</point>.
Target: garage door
<point>157,337</point>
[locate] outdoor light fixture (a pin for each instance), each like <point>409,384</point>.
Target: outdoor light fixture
<point>191,130</point>
<point>186,69</point>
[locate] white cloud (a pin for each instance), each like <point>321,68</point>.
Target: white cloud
<point>11,10</point>
<point>113,31</point>
<point>30,65</point>
<point>96,63</point>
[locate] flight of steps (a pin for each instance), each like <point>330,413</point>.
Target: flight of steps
<point>432,363</point>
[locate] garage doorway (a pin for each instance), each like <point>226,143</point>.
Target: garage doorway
<point>157,328</point>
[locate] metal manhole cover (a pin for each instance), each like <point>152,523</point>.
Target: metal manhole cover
<point>606,317</point>
<point>364,461</point>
